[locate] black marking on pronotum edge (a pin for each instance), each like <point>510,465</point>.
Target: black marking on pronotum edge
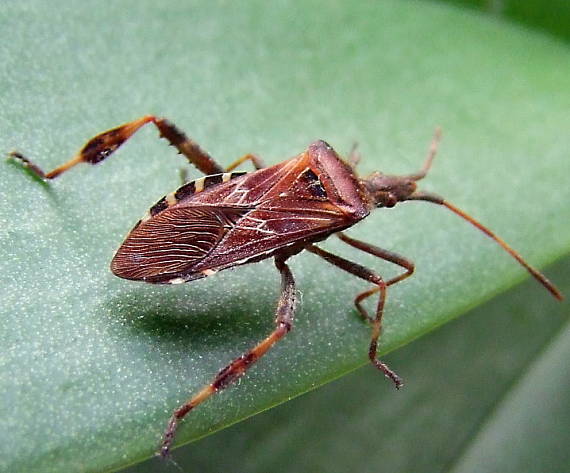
<point>314,184</point>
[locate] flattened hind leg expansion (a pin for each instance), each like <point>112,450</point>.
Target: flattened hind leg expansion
<point>106,143</point>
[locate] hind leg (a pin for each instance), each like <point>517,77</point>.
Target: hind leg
<point>106,143</point>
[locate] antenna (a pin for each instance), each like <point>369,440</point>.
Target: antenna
<point>435,199</point>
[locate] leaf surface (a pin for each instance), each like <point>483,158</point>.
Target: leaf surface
<point>91,366</point>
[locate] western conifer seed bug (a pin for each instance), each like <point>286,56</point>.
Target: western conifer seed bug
<point>228,218</point>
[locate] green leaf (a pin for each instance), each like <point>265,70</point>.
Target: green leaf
<point>91,366</point>
<point>486,393</point>
<point>552,16</point>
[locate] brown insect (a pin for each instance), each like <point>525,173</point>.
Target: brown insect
<point>226,219</point>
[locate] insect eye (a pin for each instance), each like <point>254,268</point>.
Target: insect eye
<point>391,200</point>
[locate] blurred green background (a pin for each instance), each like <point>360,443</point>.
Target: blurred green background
<point>551,17</point>
<point>90,366</point>
<point>479,366</point>
<point>488,392</point>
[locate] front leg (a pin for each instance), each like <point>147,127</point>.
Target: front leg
<point>255,160</point>
<point>376,321</point>
<point>283,320</point>
<point>104,144</point>
<point>381,253</point>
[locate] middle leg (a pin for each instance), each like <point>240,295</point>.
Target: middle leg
<point>255,160</point>
<point>382,254</point>
<point>283,320</point>
<point>376,322</point>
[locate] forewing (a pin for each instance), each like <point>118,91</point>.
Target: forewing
<point>168,245</point>
<point>263,232</point>
<point>228,219</point>
<point>290,206</point>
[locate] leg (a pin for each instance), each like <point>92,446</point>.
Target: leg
<point>383,254</point>
<point>376,322</point>
<point>256,161</point>
<point>284,320</point>
<point>354,156</point>
<point>104,144</point>
<point>183,173</point>
<point>432,151</point>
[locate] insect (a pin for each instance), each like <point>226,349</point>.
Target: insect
<point>228,218</point>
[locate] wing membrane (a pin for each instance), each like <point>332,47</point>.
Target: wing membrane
<point>168,245</point>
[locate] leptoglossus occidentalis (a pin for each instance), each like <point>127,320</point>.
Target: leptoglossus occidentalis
<point>227,218</point>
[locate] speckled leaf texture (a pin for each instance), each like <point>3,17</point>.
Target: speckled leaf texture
<point>91,366</point>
